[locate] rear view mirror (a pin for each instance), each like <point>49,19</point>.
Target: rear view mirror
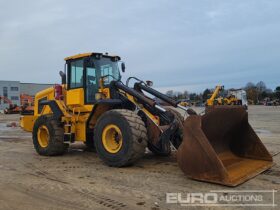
<point>63,77</point>
<point>123,67</point>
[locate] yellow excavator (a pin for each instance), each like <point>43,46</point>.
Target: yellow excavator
<point>119,120</point>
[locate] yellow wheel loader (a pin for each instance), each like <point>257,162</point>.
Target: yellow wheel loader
<point>119,121</point>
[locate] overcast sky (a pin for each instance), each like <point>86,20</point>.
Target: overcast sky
<point>180,44</point>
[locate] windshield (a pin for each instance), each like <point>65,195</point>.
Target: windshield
<point>108,67</point>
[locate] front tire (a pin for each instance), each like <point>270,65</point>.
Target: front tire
<point>48,136</point>
<point>120,137</point>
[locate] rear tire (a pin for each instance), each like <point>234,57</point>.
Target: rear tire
<point>120,137</point>
<point>48,136</point>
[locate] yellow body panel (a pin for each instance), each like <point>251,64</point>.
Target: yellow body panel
<point>75,100</point>
<point>47,94</point>
<point>80,127</point>
<point>75,97</point>
<point>82,55</point>
<point>27,122</point>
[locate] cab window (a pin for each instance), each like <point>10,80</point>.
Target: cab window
<point>92,84</point>
<point>109,69</point>
<point>76,75</point>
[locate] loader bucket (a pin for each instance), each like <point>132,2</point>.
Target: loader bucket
<point>221,147</point>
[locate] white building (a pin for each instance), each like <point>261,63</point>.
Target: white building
<point>12,90</point>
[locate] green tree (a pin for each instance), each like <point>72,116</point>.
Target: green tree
<point>206,94</point>
<point>192,96</point>
<point>277,92</point>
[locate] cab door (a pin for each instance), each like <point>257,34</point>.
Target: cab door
<point>91,81</point>
<point>75,92</point>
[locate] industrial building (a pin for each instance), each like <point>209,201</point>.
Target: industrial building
<point>12,90</point>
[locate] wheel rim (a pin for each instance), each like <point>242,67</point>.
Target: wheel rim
<point>112,138</point>
<point>43,136</point>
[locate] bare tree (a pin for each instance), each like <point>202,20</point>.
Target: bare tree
<point>185,94</point>
<point>170,93</point>
<point>261,87</point>
<point>250,85</point>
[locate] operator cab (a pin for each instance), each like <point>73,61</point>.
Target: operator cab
<point>84,72</point>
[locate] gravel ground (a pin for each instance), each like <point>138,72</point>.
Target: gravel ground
<point>79,180</point>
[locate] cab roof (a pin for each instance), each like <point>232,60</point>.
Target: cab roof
<point>83,55</point>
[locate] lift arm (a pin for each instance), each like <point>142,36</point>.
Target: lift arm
<point>211,100</point>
